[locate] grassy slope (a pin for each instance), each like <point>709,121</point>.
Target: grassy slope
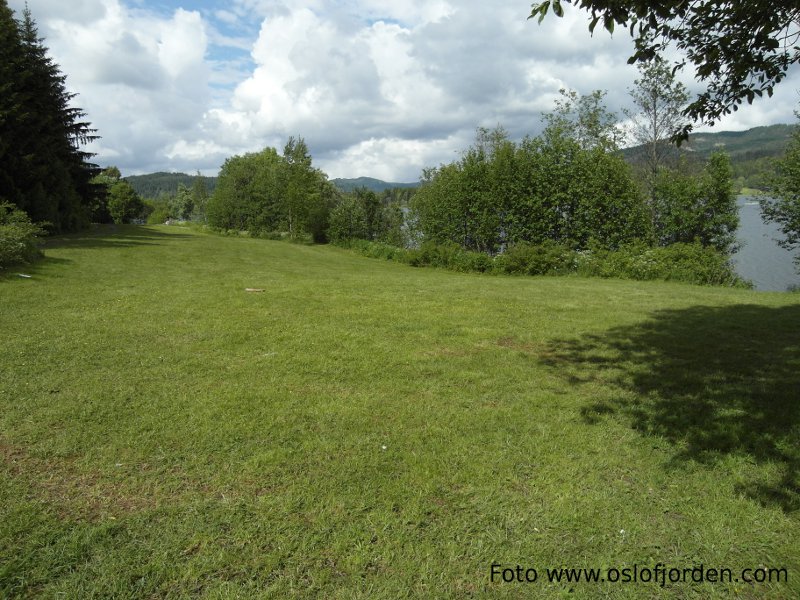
<point>165,433</point>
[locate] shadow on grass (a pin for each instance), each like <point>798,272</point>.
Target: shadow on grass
<point>713,381</point>
<point>113,236</point>
<point>32,268</point>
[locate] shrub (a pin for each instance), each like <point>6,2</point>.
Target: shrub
<point>472,262</point>
<point>686,262</point>
<point>548,258</point>
<point>378,250</point>
<point>275,236</point>
<point>17,236</point>
<point>124,204</point>
<point>348,221</point>
<point>431,254</point>
<point>448,255</point>
<point>159,213</point>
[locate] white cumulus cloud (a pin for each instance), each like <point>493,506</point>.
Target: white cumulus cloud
<point>375,87</point>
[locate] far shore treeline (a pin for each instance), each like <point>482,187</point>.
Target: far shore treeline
<point>568,200</point>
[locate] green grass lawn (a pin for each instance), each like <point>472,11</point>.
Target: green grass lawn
<point>363,429</point>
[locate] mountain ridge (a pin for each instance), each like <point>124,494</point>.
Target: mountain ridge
<point>370,183</point>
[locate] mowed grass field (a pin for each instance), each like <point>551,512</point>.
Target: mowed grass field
<point>363,429</point>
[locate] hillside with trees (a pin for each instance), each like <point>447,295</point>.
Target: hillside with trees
<point>752,152</point>
<point>369,183</point>
<point>162,184</point>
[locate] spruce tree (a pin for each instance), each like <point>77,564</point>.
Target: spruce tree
<point>44,171</point>
<point>10,103</point>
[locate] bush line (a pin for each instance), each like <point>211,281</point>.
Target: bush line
<point>682,262</point>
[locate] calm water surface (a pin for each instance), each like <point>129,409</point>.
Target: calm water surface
<point>761,260</point>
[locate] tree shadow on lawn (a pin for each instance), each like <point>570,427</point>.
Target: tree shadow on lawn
<point>113,236</point>
<point>713,381</point>
<point>31,269</point>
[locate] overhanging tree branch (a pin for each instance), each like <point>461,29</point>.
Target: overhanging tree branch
<point>741,49</point>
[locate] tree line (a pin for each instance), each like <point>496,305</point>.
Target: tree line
<point>526,206</point>
<point>284,195</point>
<point>567,187</point>
<point>571,186</point>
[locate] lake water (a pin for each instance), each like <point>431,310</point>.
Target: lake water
<point>761,260</point>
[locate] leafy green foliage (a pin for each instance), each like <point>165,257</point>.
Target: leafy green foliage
<point>124,204</point>
<point>448,256</point>
<point>156,212</point>
<point>364,215</point>
<point>702,208</point>
<point>181,206</point>
<point>199,197</point>
<point>246,196</point>
<point>686,262</point>
<point>547,258</point>
<point>102,182</point>
<point>18,236</point>
<point>298,183</point>
<point>348,221</point>
<point>783,204</point>
<point>551,188</point>
<point>740,49</point>
<point>266,192</point>
<point>585,119</point>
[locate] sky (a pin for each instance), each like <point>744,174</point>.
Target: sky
<point>376,88</point>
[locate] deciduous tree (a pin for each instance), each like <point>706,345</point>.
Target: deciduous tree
<point>124,204</point>
<point>182,204</point>
<point>585,119</point>
<point>267,192</point>
<point>782,206</point>
<point>348,221</point>
<point>199,197</point>
<point>564,186</point>
<point>659,99</point>
<point>697,208</point>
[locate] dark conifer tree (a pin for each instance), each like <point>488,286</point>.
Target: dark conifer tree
<point>10,103</point>
<point>44,171</point>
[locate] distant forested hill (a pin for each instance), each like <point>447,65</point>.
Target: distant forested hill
<point>375,185</point>
<point>743,145</point>
<point>753,143</point>
<point>154,185</point>
<point>751,151</point>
